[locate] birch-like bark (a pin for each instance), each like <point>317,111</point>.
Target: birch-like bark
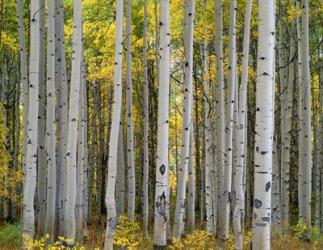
<point>73,118</point>
<point>207,140</point>
<point>225,191</point>
<point>161,190</point>
<point>145,184</point>
<point>219,102</point>
<point>23,76</point>
<point>238,214</point>
<point>191,186</point>
<point>115,126</point>
<point>62,109</point>
<point>264,126</point>
<point>32,132</point>
<point>120,181</point>
<point>189,9</point>
<point>305,145</point>
<point>130,154</point>
<point>50,145</point>
<point>41,162</point>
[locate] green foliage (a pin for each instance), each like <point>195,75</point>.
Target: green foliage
<point>10,236</point>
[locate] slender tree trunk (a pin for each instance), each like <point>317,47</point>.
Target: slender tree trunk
<point>161,190</point>
<point>73,118</point>
<point>115,126</point>
<point>145,184</point>
<point>120,181</point>
<point>189,6</point>
<point>238,214</point>
<point>305,145</point>
<point>130,152</point>
<point>191,186</point>
<point>50,120</point>
<point>32,132</point>
<point>264,126</point>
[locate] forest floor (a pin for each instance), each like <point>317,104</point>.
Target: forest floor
<point>129,236</point>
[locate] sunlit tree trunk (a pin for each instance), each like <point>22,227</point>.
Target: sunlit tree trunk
<point>50,120</point>
<point>145,184</point>
<point>130,153</point>
<point>225,191</point>
<point>32,132</point>
<point>238,214</point>
<point>189,9</point>
<point>73,118</point>
<point>264,126</point>
<point>115,126</point>
<point>161,190</point>
<point>305,145</point>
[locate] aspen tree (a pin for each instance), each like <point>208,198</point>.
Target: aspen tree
<point>305,145</point>
<point>189,11</point>
<point>145,184</point>
<point>73,118</point>
<point>264,126</point>
<point>115,126</point>
<point>32,131</point>
<point>191,186</point>
<point>238,214</point>
<point>50,120</point>
<point>225,191</point>
<point>130,153</point>
<point>162,189</point>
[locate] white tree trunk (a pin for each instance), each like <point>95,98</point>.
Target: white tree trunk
<point>145,184</point>
<point>189,9</point>
<point>264,126</point>
<point>161,190</point>
<point>191,186</point>
<point>32,132</point>
<point>114,133</point>
<point>120,181</point>
<point>73,118</point>
<point>305,145</point>
<point>130,154</point>
<point>50,120</point>
<point>238,214</point>
<point>225,191</point>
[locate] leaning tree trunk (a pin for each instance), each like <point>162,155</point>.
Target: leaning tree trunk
<point>73,118</point>
<point>238,214</point>
<point>145,198</point>
<point>264,126</point>
<point>189,6</point>
<point>50,120</point>
<point>305,145</point>
<point>161,190</point>
<point>115,126</point>
<point>225,191</point>
<point>130,154</point>
<point>32,131</point>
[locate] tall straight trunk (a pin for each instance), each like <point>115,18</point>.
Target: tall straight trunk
<point>130,153</point>
<point>41,161</point>
<point>32,132</point>
<point>50,120</point>
<point>73,118</point>
<point>114,133</point>
<point>264,126</point>
<point>145,184</point>
<point>239,208</point>
<point>79,217</point>
<point>305,145</point>
<point>191,186</point>
<point>225,191</point>
<point>161,190</point>
<point>219,102</point>
<point>275,190</point>
<point>23,76</point>
<point>207,140</point>
<point>62,109</point>
<point>120,181</point>
<point>189,9</point>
